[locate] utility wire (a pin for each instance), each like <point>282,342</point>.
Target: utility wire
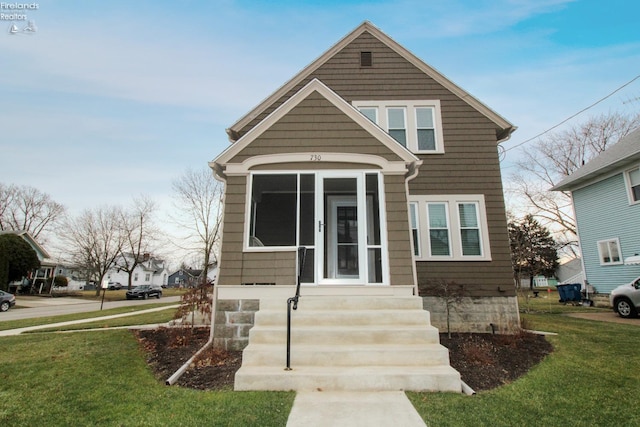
<point>576,114</point>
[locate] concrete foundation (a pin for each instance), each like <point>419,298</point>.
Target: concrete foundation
<point>475,314</point>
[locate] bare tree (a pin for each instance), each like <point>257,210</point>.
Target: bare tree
<point>94,240</point>
<point>27,208</point>
<point>139,235</point>
<point>198,206</point>
<point>557,156</point>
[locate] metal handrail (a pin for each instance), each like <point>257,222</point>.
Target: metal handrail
<point>302,256</point>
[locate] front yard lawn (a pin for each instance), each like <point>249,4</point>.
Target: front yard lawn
<point>591,379</point>
<point>101,378</point>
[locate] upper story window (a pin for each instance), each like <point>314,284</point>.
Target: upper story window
<point>416,125</point>
<point>633,183</point>
<point>609,252</point>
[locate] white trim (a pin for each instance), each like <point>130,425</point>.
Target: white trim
<point>411,122</point>
<point>415,213</point>
<point>388,167</point>
<point>455,241</point>
<point>601,257</point>
<point>627,183</point>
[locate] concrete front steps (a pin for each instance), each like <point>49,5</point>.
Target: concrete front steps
<point>346,343</point>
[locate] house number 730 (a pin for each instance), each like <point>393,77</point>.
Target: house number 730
<point>316,158</point>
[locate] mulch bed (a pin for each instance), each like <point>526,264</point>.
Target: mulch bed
<point>485,361</point>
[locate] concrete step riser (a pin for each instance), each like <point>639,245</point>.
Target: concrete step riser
<point>345,303</point>
<point>343,343</point>
<point>359,382</point>
<point>338,318</point>
<point>344,336</point>
<point>391,357</point>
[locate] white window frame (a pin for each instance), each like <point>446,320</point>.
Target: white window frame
<point>453,222</point>
<point>601,254</point>
<point>410,120</point>
<point>428,229</point>
<point>414,224</point>
<point>627,180</point>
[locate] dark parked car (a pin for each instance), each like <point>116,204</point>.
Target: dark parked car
<point>144,292</point>
<point>7,300</point>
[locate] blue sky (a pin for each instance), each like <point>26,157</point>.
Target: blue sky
<point>110,100</point>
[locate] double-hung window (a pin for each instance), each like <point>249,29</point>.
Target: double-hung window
<point>633,183</point>
<point>415,228</point>
<point>455,228</point>
<point>416,125</point>
<point>609,252</point>
<point>439,239</point>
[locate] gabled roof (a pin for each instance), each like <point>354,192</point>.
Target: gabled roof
<point>40,251</point>
<point>316,86</point>
<point>618,156</point>
<point>502,123</point>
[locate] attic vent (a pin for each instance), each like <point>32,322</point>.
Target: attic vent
<point>366,59</point>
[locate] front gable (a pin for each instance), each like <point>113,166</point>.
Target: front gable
<point>315,125</point>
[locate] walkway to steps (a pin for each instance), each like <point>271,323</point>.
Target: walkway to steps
<point>353,409</point>
<point>347,343</point>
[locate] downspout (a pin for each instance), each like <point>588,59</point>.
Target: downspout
<point>177,374</point>
<point>412,172</point>
<point>219,175</point>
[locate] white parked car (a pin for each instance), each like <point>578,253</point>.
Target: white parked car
<point>625,299</point>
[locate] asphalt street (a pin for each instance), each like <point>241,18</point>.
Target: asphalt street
<point>30,307</point>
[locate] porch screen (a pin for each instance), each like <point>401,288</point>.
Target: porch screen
<point>273,210</point>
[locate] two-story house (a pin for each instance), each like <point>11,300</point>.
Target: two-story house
<point>148,271</point>
<point>387,174</point>
<point>606,203</point>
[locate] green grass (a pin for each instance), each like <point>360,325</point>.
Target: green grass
<point>163,316</point>
<point>102,379</point>
<point>119,295</point>
<point>548,302</point>
<point>591,379</point>
<point>23,323</point>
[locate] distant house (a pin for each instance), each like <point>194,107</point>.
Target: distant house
<point>606,200</point>
<point>150,271</point>
<point>184,278</point>
<point>570,272</point>
<point>47,268</point>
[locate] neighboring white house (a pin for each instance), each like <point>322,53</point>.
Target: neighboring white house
<point>150,271</point>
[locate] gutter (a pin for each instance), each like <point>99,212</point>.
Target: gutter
<point>177,374</point>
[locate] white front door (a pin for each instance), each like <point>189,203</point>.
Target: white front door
<point>341,254</point>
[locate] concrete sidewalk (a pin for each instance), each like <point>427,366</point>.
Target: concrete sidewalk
<point>353,409</point>
<point>18,331</point>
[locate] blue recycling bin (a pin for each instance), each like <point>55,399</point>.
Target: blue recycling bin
<point>570,292</point>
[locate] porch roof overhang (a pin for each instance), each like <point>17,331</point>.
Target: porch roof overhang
<point>407,162</point>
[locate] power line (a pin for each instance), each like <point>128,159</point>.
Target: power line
<point>576,114</point>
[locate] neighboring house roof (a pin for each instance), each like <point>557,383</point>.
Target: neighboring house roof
<point>317,86</point>
<point>40,251</point>
<point>618,156</point>
<point>505,127</point>
<point>186,272</point>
